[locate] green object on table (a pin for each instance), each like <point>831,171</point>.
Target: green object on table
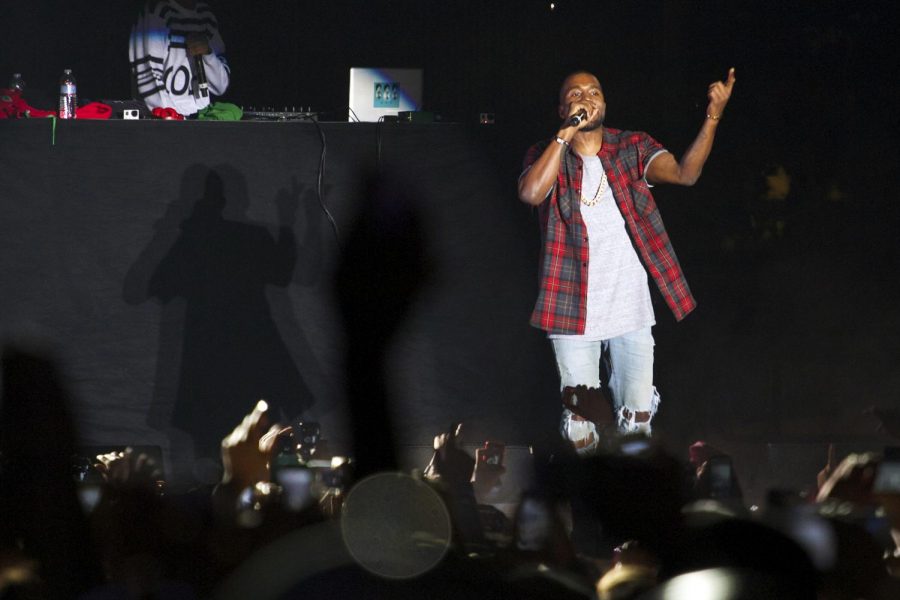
<point>221,111</point>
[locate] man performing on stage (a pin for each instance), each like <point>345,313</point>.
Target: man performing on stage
<point>602,234</point>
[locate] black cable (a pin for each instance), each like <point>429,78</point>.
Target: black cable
<point>353,112</point>
<point>378,143</point>
<point>320,176</point>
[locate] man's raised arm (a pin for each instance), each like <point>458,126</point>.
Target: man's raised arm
<point>665,169</point>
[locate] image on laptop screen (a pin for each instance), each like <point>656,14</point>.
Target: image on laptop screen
<point>376,93</point>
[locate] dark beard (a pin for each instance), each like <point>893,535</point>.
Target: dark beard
<point>595,125</point>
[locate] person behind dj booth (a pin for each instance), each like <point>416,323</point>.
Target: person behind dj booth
<point>177,56</point>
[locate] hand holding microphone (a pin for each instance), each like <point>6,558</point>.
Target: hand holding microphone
<point>580,114</point>
<point>200,71</point>
<point>197,45</point>
<point>576,119</point>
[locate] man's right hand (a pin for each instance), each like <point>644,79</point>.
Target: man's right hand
<point>577,107</point>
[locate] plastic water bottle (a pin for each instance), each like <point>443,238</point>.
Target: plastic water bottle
<point>68,98</point>
<point>16,83</point>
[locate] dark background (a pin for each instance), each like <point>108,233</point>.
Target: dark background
<point>797,329</point>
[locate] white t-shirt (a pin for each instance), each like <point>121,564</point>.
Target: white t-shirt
<point>618,293</point>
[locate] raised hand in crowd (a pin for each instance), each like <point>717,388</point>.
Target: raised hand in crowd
<point>823,475</point>
<point>452,468</point>
<point>852,480</point>
<point>247,450</point>
<point>450,464</point>
<point>129,468</point>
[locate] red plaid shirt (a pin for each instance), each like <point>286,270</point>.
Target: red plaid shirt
<point>562,300</point>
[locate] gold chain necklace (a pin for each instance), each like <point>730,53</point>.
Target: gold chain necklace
<point>601,187</point>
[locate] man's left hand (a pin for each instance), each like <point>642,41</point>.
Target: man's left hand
<point>719,93</point>
<point>197,44</point>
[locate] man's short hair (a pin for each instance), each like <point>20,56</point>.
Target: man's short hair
<point>572,74</point>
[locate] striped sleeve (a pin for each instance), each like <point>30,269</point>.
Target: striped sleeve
<point>147,52</point>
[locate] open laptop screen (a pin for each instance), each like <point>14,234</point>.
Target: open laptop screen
<point>375,93</point>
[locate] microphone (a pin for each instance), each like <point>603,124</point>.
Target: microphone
<point>200,71</point>
<point>576,119</point>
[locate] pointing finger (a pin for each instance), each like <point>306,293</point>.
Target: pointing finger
<point>259,421</point>
<point>731,78</point>
<point>267,441</point>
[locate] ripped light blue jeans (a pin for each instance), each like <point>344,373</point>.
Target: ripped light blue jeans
<point>629,360</point>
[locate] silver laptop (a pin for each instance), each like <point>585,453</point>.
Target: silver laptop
<point>376,93</point>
